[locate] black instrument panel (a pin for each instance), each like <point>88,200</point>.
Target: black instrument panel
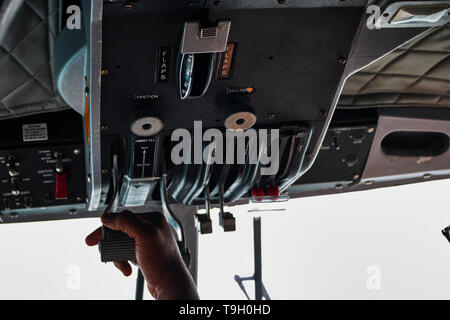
<point>273,54</point>
<point>273,67</point>
<point>42,161</point>
<point>342,156</point>
<point>28,177</point>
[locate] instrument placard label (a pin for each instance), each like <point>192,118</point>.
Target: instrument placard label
<point>163,64</point>
<point>35,132</point>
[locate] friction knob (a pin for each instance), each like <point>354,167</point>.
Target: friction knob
<point>240,117</point>
<point>145,124</point>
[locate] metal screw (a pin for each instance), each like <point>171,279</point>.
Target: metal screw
<point>77,151</point>
<point>105,72</point>
<point>128,6</point>
<point>427,176</point>
<point>356,177</point>
<point>342,60</point>
<point>89,178</point>
<point>339,186</point>
<point>104,128</point>
<point>73,212</point>
<point>14,215</point>
<point>104,171</point>
<point>271,116</point>
<point>369,183</point>
<point>370,130</point>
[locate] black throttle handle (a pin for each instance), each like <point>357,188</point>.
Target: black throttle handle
<point>116,246</point>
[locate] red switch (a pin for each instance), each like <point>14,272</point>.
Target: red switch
<point>258,193</point>
<point>60,186</point>
<point>273,192</point>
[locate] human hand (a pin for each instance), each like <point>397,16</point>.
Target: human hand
<point>157,253</point>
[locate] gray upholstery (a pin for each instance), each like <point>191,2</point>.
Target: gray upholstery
<point>416,74</point>
<point>27,83</point>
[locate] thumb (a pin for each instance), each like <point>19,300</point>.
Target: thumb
<point>125,222</point>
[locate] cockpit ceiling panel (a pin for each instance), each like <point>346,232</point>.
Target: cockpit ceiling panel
<point>415,74</point>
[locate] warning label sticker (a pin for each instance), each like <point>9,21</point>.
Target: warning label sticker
<point>35,132</point>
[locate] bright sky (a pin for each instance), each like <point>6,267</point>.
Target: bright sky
<point>379,244</point>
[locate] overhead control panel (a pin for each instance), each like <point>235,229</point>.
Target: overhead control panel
<point>169,64</point>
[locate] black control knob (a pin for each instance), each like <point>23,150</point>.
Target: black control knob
<point>351,160</point>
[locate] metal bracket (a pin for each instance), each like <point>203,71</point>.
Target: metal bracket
<point>205,40</point>
<point>226,219</point>
<point>415,14</point>
<point>260,289</point>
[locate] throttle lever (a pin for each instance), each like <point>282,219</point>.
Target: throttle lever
<point>174,222</point>
<point>115,245</point>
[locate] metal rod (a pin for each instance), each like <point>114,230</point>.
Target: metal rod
<point>259,289</point>
<point>207,202</point>
<point>140,285</point>
<point>168,213</point>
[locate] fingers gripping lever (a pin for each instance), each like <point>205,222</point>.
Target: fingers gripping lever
<point>115,245</point>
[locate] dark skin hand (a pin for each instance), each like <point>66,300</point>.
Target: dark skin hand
<point>157,254</point>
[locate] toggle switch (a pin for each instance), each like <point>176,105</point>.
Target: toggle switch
<point>12,166</point>
<point>59,165</point>
<point>60,178</point>
<point>15,191</point>
<point>28,202</point>
<point>336,144</point>
<point>7,204</point>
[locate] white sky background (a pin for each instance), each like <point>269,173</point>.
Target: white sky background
<point>320,248</point>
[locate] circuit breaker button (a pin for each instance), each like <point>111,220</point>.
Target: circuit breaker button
<point>60,186</point>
